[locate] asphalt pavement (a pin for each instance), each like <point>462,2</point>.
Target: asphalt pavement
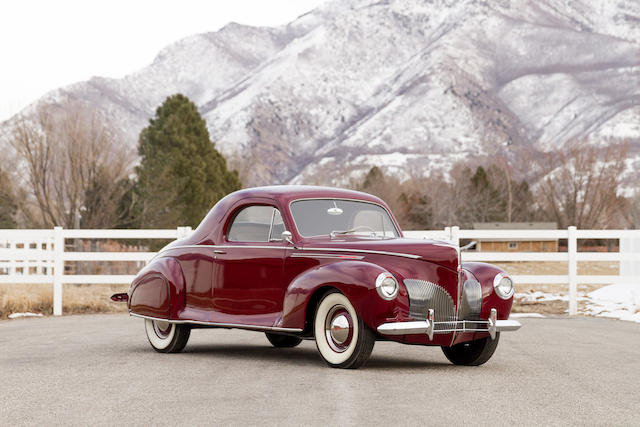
<point>100,369</point>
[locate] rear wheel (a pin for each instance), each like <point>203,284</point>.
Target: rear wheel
<point>166,337</point>
<point>282,341</point>
<point>472,353</point>
<point>342,338</point>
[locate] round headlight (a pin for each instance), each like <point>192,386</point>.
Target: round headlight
<point>387,286</point>
<point>503,286</point>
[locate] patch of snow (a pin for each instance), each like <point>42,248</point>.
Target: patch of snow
<point>620,301</point>
<point>27,314</point>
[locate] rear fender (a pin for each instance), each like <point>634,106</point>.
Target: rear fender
<point>158,290</point>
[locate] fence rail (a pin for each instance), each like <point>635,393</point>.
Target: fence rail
<point>38,256</point>
<point>44,252</point>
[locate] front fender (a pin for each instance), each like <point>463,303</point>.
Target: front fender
<point>355,279</point>
<point>484,273</point>
<point>158,290</point>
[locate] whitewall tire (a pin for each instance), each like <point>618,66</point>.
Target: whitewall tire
<point>166,337</point>
<point>342,338</point>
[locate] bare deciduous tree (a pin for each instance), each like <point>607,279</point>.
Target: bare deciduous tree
<point>75,165</point>
<point>631,211</point>
<point>579,184</point>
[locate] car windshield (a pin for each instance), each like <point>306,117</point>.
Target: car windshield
<point>333,217</point>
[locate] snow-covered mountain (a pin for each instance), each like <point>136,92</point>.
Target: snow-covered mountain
<point>409,85</point>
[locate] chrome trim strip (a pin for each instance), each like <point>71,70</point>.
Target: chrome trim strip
<point>222,325</point>
<point>424,327</point>
<point>459,296</point>
<point>363,251</point>
<point>217,246</point>
<point>273,215</point>
<point>329,256</point>
<point>228,247</point>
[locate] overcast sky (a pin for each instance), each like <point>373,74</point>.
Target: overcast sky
<point>45,44</point>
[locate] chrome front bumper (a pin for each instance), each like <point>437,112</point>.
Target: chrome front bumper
<point>430,327</point>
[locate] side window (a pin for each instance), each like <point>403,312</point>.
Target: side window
<point>255,224</point>
<point>277,228</point>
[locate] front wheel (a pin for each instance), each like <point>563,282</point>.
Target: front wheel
<point>472,353</point>
<point>342,338</point>
<point>166,337</point>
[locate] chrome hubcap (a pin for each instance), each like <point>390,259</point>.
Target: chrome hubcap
<point>339,328</point>
<point>161,329</point>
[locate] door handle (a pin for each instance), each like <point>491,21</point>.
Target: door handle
<point>218,251</point>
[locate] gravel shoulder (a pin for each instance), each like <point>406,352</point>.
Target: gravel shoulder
<point>99,369</point>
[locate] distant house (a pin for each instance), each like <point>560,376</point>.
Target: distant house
<point>516,244</point>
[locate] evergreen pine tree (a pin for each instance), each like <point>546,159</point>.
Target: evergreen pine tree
<point>8,205</point>
<point>373,179</point>
<point>181,175</point>
<point>488,203</point>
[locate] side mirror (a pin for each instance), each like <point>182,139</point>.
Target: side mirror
<point>287,237</point>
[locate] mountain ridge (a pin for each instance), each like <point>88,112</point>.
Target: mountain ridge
<point>412,86</point>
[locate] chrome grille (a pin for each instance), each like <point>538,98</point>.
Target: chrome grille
<point>424,295</point>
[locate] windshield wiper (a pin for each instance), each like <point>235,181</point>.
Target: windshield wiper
<point>360,227</point>
<point>336,232</point>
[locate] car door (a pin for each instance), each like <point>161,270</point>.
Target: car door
<point>247,283</point>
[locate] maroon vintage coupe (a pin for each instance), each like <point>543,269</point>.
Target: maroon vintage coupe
<point>313,262</point>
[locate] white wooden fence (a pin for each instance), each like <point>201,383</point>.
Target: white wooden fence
<point>38,256</point>
<point>572,256</point>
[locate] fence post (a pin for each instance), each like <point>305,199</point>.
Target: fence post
<point>58,269</point>
<point>455,231</point>
<point>572,250</point>
<point>12,262</point>
<point>183,232</point>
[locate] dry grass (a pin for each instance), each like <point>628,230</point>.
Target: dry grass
<point>556,307</point>
<point>557,268</point>
<point>38,298</point>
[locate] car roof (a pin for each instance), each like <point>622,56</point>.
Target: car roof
<point>211,228</point>
<point>287,193</point>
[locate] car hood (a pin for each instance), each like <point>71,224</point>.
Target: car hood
<point>438,252</point>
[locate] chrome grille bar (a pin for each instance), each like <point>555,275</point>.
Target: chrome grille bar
<point>425,296</point>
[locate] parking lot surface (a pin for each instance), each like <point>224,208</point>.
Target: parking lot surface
<point>100,369</point>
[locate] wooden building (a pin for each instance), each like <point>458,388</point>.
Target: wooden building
<point>516,244</point>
